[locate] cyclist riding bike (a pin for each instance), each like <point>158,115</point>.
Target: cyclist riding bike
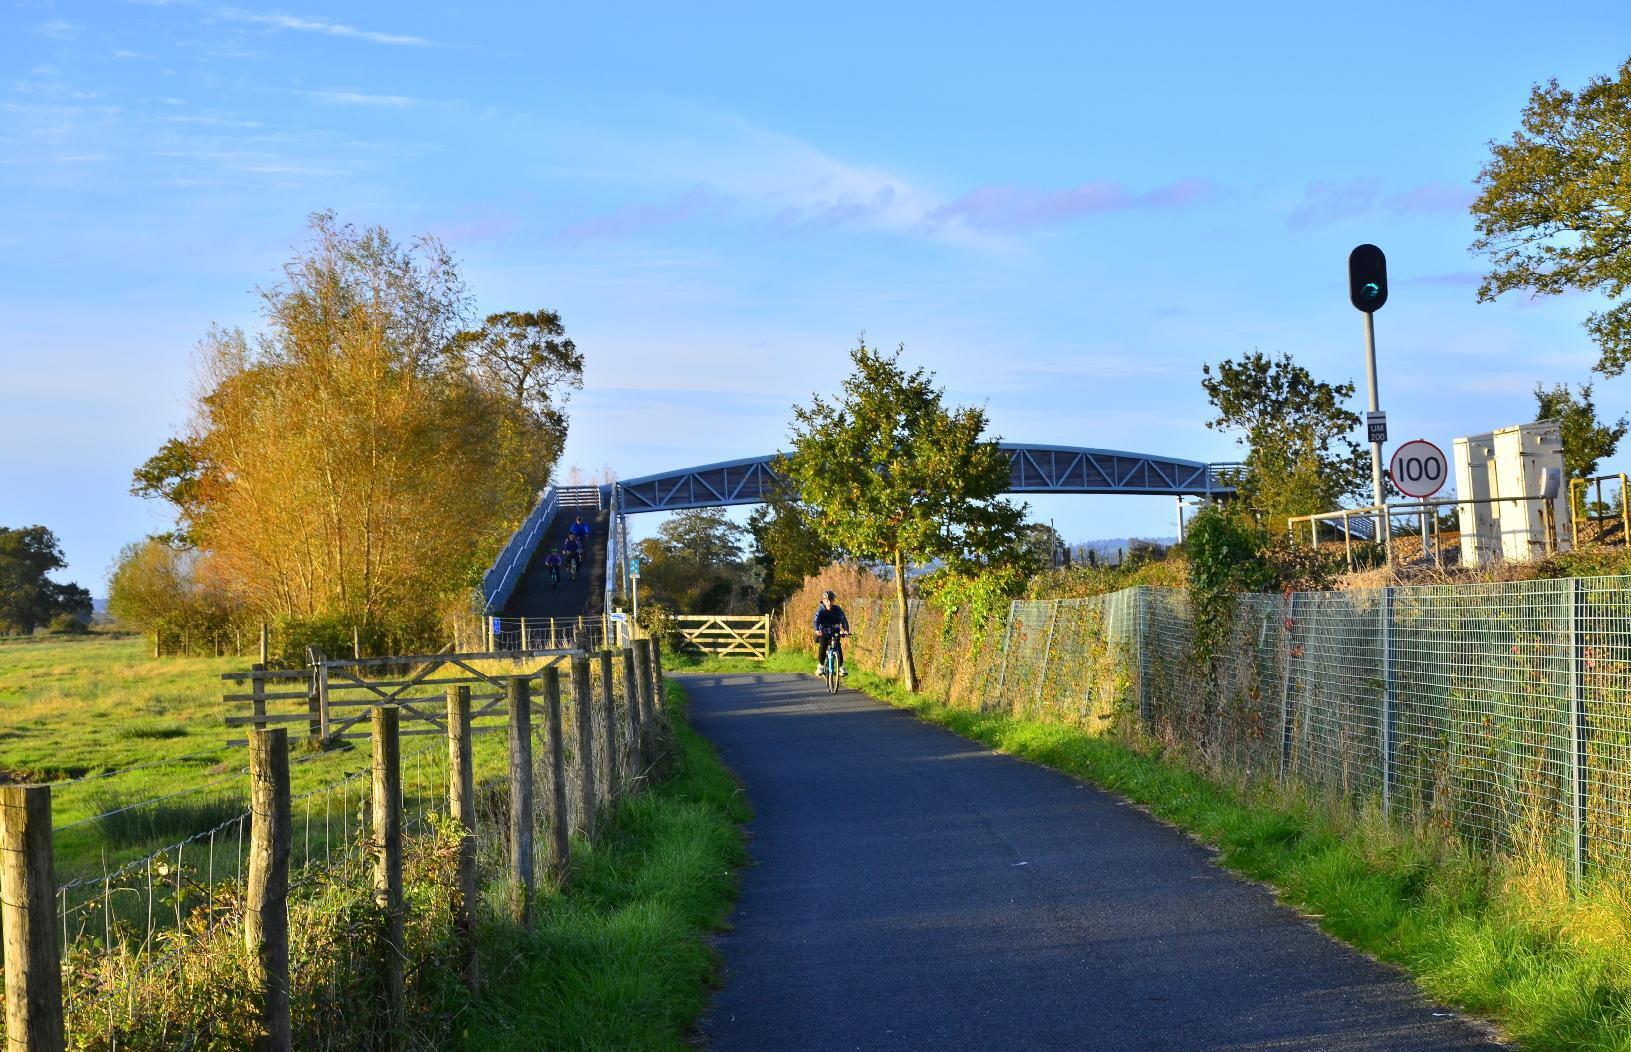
<point>831,626</point>
<point>553,562</point>
<point>580,530</point>
<point>572,550</point>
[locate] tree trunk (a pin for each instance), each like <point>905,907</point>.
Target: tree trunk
<point>907,668</point>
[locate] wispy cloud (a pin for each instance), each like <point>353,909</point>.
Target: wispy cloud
<point>1013,207</point>
<point>1332,201</point>
<point>57,29</point>
<point>299,24</point>
<point>357,98</point>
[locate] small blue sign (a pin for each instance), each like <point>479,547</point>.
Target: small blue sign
<point>634,566</point>
<point>498,627</point>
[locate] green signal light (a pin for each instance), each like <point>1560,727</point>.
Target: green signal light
<point>1370,290</point>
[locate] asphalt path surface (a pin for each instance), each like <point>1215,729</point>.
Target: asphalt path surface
<point>914,890</point>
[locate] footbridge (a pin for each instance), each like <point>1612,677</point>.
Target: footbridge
<point>514,586</point>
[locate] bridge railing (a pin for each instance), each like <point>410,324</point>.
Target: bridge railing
<point>511,563</point>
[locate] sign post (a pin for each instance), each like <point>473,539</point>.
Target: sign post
<point>634,592</point>
<point>1367,291</point>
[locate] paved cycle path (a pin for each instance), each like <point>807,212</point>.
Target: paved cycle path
<point>913,890</point>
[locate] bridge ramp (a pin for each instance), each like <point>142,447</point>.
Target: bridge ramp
<point>536,596</point>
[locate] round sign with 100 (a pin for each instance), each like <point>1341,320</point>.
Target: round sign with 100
<point>1419,469</point>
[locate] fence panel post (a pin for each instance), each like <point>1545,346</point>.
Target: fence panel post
<point>257,687</point>
<point>29,892</point>
<point>1141,629</point>
<point>266,915</point>
<point>658,691</point>
<point>461,805</point>
<point>1577,734</point>
<point>583,709</point>
<point>608,702</point>
<point>1387,722</point>
<point>519,696</point>
<point>1047,647</point>
<point>322,695</point>
<point>387,836</point>
<point>1285,686</point>
<point>560,844</point>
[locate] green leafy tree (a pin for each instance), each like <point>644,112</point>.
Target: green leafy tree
<point>896,477</point>
<point>694,564</point>
<point>1300,453</point>
<point>1553,211</point>
<point>176,474</point>
<point>787,548</point>
<point>28,597</point>
<point>1587,440</point>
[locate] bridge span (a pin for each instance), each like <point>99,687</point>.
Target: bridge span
<point>1032,469</point>
<point>514,585</point>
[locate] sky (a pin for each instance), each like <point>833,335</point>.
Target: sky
<point>1061,209</point>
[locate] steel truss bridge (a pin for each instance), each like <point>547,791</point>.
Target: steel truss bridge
<point>1032,469</point>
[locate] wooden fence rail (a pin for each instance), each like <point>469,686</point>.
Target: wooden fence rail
<point>725,634</point>
<point>30,957</point>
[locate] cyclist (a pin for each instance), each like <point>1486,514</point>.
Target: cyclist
<point>572,550</point>
<point>830,627</point>
<point>580,530</point>
<point>553,561</point>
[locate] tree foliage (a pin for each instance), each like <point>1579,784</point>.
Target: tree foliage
<point>787,548</point>
<point>695,565</point>
<point>896,477</point>
<point>1587,440</point>
<point>1301,457</point>
<point>364,454</point>
<point>1553,211</point>
<point>28,597</point>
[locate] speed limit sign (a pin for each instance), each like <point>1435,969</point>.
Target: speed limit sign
<point>1419,468</point>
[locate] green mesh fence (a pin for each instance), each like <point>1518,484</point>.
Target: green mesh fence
<point>1498,711</point>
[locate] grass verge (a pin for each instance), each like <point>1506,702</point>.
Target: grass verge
<point>1501,938</point>
<point>619,958</point>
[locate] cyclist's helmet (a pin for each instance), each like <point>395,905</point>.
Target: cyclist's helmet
<point>829,596</point>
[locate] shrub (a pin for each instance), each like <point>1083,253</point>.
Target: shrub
<point>66,624</point>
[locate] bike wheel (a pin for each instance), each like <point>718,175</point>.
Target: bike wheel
<point>832,676</point>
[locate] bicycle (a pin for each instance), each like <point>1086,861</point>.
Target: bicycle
<point>572,563</point>
<point>830,667</point>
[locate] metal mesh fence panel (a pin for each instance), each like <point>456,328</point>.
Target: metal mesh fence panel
<point>1496,711</point>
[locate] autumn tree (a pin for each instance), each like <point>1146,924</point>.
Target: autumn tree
<point>357,459</point>
<point>1553,211</point>
<point>1301,457</point>
<point>29,598</point>
<point>896,477</point>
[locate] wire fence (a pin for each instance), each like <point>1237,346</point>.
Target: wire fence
<point>1501,712</point>
<point>152,952</point>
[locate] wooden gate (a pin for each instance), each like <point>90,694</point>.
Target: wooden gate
<point>746,635</point>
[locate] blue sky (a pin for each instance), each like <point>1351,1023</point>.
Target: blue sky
<point>1062,209</point>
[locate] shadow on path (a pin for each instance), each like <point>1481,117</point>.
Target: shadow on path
<point>915,890</point>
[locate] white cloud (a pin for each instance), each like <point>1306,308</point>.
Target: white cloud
<point>357,98</point>
<point>317,25</point>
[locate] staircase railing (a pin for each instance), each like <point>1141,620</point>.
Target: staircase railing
<point>500,579</point>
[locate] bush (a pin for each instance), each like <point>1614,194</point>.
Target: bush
<point>66,624</point>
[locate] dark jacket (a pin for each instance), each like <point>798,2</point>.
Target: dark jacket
<point>829,618</point>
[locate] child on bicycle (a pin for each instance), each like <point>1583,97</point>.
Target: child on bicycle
<point>553,562</point>
<point>572,551</point>
<point>830,627</point>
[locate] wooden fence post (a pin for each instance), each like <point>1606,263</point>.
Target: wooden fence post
<point>266,642</point>
<point>29,892</point>
<point>519,691</point>
<point>648,699</point>
<point>583,710</point>
<point>266,915</point>
<point>461,805</point>
<point>631,701</point>
<point>658,688</point>
<point>387,837</point>
<point>257,687</point>
<point>608,692</point>
<point>356,643</point>
<point>560,819</point>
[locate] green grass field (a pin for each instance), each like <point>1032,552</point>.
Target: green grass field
<point>115,727</point>
<point>1500,938</point>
